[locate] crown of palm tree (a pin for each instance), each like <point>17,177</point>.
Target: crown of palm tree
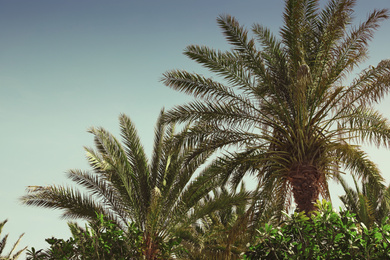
<point>287,105</point>
<point>124,187</point>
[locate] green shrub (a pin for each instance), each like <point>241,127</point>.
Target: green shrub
<point>101,239</point>
<point>326,234</point>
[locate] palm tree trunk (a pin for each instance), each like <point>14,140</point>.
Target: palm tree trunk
<point>305,179</point>
<point>150,250</point>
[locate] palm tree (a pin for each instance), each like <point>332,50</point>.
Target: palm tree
<point>125,187</point>
<point>3,242</point>
<point>287,106</point>
<point>219,235</point>
<point>371,205</point>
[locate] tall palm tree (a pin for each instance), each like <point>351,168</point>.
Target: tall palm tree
<point>125,187</point>
<point>371,205</point>
<point>288,106</point>
<point>3,242</point>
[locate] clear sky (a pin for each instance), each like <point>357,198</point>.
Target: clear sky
<point>68,65</point>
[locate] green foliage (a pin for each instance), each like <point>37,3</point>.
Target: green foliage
<point>101,239</point>
<point>370,203</point>
<point>159,195</point>
<point>219,235</point>
<point>325,235</point>
<point>3,242</point>
<point>285,102</point>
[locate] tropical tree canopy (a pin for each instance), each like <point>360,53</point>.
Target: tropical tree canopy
<point>124,186</point>
<point>288,103</point>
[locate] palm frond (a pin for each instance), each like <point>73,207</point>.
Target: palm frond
<point>138,161</point>
<point>357,161</point>
<point>134,149</point>
<point>368,202</point>
<point>353,50</point>
<point>369,87</point>
<point>114,156</point>
<point>223,64</point>
<point>275,60</point>
<point>11,254</point>
<point>292,32</point>
<point>330,28</point>
<point>157,149</point>
<point>107,193</point>
<point>72,202</point>
<point>368,125</point>
<point>238,37</point>
<point>216,113</point>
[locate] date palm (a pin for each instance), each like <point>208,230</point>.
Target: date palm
<point>287,103</point>
<point>125,187</point>
<point>370,204</point>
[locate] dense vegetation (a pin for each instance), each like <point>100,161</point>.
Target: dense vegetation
<point>102,239</point>
<point>159,198</point>
<point>324,235</point>
<point>282,112</point>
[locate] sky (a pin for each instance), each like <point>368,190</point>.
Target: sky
<point>68,65</point>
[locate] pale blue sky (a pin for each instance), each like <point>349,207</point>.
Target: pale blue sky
<point>68,65</point>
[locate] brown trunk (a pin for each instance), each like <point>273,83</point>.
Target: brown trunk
<point>151,249</point>
<point>305,179</point>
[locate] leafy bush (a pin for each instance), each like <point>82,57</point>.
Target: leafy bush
<point>101,239</point>
<point>326,234</point>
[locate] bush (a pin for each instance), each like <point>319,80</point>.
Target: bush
<point>101,239</point>
<point>326,234</point>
